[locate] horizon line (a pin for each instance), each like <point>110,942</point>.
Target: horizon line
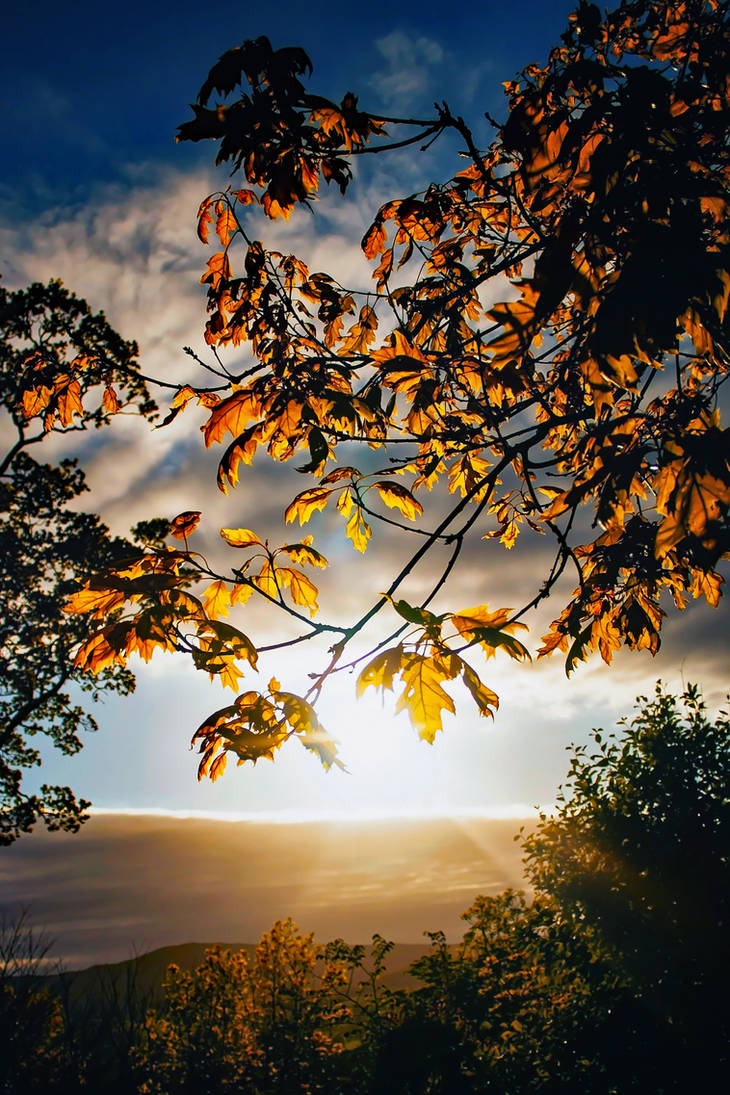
<point>512,811</point>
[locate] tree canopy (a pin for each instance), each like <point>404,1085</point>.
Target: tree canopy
<point>543,347</point>
<point>54,356</point>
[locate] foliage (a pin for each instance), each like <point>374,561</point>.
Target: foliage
<point>543,348</point>
<point>234,1026</point>
<point>54,354</point>
<point>637,853</point>
<point>610,979</point>
<point>32,1050</point>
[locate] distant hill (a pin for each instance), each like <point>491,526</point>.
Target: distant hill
<point>145,973</point>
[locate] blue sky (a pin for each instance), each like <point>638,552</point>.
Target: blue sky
<point>95,191</point>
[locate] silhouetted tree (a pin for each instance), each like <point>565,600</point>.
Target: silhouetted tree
<point>54,354</point>
<point>637,860</point>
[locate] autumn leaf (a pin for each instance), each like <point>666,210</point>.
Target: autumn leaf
<point>241,537</point>
<point>110,402</point>
<point>184,524</point>
<point>398,497</point>
<point>486,700</point>
<point>69,402</point>
<point>304,553</point>
<point>218,767</point>
<point>423,696</point>
<point>226,225</point>
<point>98,653</point>
<point>99,602</point>
<point>491,630</point>
<point>306,503</point>
<point>205,218</point>
<point>231,415</point>
<point>216,599</point>
<point>358,530</point>
<point>36,400</point>
<point>303,591</point>
<point>374,240</point>
<point>379,672</point>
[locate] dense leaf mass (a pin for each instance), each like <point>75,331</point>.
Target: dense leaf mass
<point>54,357</point>
<point>584,404</point>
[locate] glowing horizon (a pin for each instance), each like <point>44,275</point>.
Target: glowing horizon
<point>513,811</point>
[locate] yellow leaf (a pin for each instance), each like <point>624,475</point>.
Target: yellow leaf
<point>491,630</point>
<point>423,697</point>
<point>240,593</point>
<point>374,240</point>
<point>380,671</point>
<point>219,269</point>
<point>302,590</point>
<point>398,497</point>
<point>231,415</point>
<point>708,584</point>
<point>305,553</point>
<point>216,599</point>
<point>97,653</point>
<point>240,537</point>
<point>266,580</point>
<point>218,766</point>
<point>183,396</point>
<point>486,700</point>
<point>697,499</point>
<point>345,502</point>
<point>362,333</point>
<point>358,530</point>
<point>307,503</point>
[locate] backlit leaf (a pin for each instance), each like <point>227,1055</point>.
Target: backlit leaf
<point>216,599</point>
<point>241,537</point>
<point>398,497</point>
<point>184,524</point>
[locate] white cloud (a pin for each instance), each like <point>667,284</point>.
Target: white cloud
<point>410,64</point>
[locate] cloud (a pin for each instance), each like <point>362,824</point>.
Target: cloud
<point>129,884</point>
<point>410,66</point>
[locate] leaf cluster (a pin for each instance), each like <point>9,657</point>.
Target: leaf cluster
<point>544,345</point>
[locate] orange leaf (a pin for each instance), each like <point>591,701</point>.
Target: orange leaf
<point>69,403</point>
<point>110,403</point>
<point>185,523</point>
<point>374,240</point>
<point>226,225</point>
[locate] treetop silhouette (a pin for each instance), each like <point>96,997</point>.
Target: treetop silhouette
<point>62,369</point>
<point>583,405</point>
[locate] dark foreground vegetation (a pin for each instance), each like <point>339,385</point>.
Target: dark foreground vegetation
<point>611,978</point>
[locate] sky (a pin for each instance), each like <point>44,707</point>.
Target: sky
<point>95,191</point>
